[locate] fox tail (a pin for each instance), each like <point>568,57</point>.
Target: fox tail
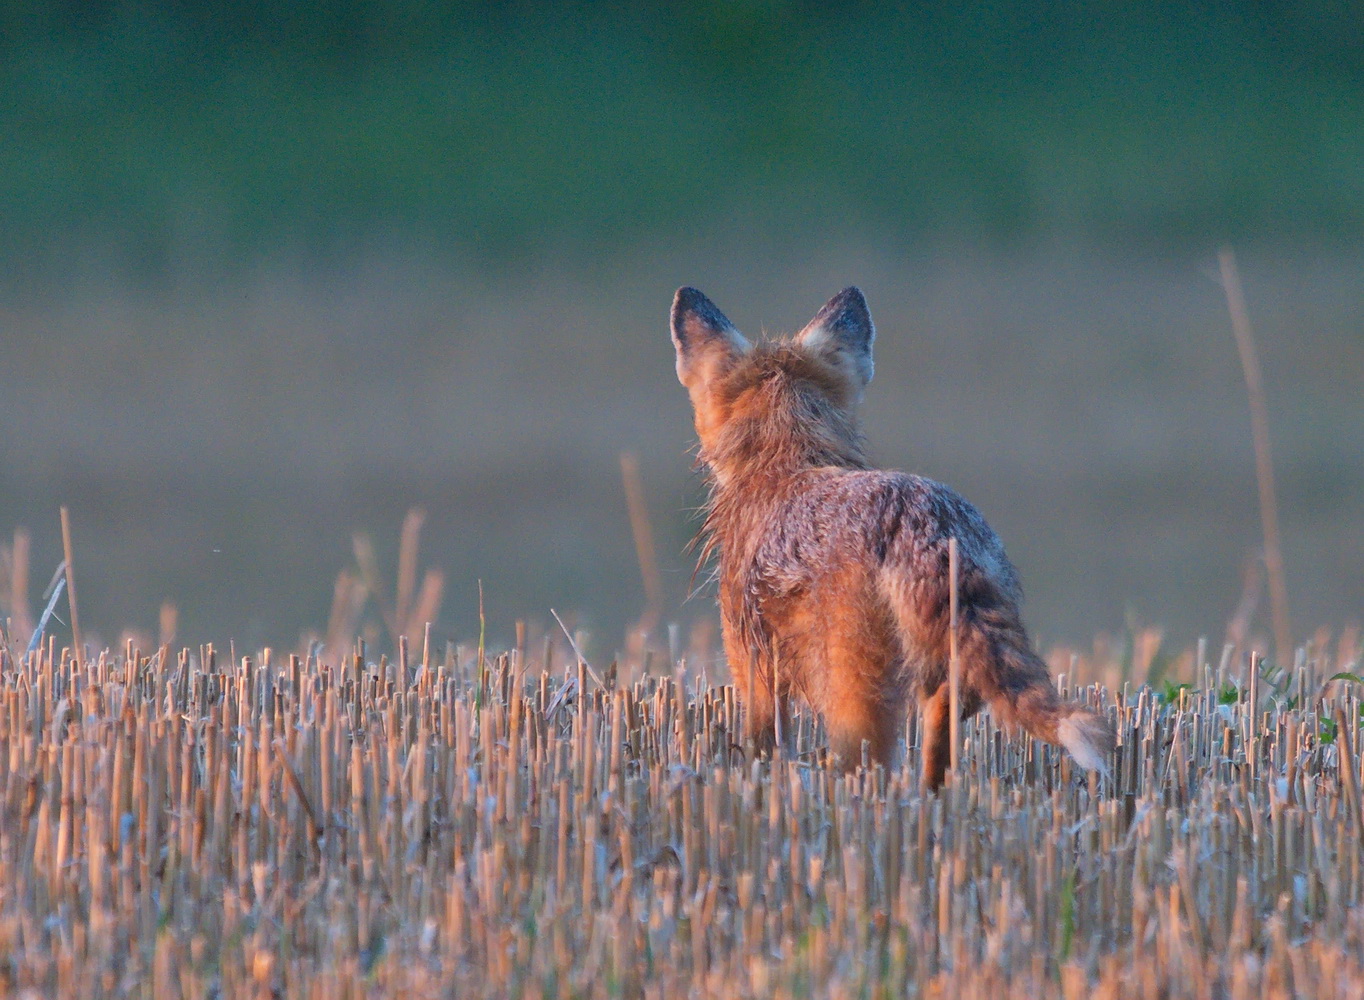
<point>1016,684</point>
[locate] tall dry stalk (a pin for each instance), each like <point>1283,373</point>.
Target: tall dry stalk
<point>76,638</point>
<point>348,601</point>
<point>15,560</point>
<point>645,551</point>
<point>954,659</point>
<point>408,543</point>
<point>1264,465</point>
<point>167,621</point>
<point>412,607</point>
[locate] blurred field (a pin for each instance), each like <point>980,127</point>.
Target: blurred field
<point>169,139</point>
<point>270,275</point>
<point>219,441</point>
<point>453,823</point>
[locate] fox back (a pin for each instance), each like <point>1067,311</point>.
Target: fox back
<point>833,575</point>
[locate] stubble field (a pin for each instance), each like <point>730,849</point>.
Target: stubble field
<point>450,822</point>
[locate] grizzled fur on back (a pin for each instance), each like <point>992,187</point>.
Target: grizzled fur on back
<point>833,575</point>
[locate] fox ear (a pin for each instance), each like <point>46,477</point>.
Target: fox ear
<point>843,329</point>
<point>704,338</point>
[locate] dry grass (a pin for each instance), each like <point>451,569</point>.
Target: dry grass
<point>183,826</point>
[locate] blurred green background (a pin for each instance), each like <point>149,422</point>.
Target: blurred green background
<point>275,272</point>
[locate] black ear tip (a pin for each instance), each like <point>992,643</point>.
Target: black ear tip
<point>689,303</point>
<point>847,308</point>
<point>851,296</point>
<point>688,299</point>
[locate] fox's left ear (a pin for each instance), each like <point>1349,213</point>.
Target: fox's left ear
<point>707,342</point>
<point>844,331</point>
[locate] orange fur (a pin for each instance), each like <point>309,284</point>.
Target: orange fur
<point>832,574</point>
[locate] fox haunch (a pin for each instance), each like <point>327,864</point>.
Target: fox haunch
<point>833,575</point>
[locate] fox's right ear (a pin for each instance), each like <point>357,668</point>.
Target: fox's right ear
<point>843,332</point>
<point>706,341</point>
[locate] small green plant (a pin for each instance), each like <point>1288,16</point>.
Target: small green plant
<point>1170,692</point>
<point>1067,914</point>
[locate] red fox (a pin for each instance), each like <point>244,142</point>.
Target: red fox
<point>833,575</point>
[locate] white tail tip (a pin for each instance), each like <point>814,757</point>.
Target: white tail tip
<point>1088,738</point>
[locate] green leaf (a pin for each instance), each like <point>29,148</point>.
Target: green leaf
<point>1170,691</point>
<point>1327,734</point>
<point>1068,913</point>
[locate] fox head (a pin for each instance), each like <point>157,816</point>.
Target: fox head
<point>778,405</point>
